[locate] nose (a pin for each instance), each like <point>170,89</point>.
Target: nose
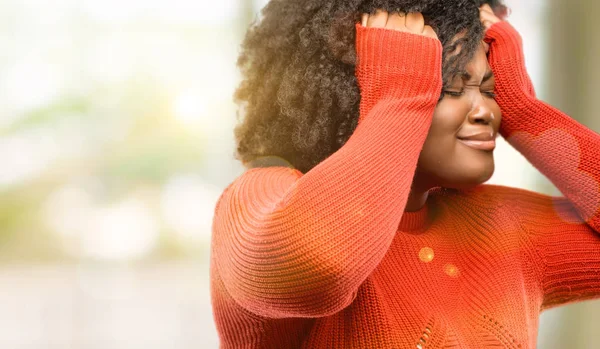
<point>480,114</point>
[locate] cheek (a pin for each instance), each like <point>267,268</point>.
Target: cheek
<point>443,158</point>
<point>448,117</point>
<point>439,147</point>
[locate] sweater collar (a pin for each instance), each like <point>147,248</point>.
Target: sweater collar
<point>416,221</point>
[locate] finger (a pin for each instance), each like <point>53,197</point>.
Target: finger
<point>378,20</point>
<point>415,22</point>
<point>365,17</point>
<point>397,21</point>
<point>488,19</point>
<point>486,8</point>
<point>488,16</point>
<point>428,31</point>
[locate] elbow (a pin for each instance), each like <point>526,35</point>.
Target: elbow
<point>292,295</point>
<point>315,304</point>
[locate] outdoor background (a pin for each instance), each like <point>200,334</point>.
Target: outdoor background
<point>116,140</point>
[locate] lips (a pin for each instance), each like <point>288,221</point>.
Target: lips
<point>480,141</point>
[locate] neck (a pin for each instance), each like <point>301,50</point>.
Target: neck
<point>417,197</point>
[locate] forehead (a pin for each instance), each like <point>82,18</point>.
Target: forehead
<point>478,66</point>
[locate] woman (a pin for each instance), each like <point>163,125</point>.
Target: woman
<point>389,239</point>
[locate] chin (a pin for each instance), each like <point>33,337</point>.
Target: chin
<point>468,177</point>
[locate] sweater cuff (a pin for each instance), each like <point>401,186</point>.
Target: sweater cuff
<point>395,64</point>
<point>506,36</point>
<point>506,56</point>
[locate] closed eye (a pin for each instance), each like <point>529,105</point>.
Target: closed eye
<point>454,93</point>
<point>489,94</point>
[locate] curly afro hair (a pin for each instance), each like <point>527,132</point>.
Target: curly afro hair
<point>299,95</point>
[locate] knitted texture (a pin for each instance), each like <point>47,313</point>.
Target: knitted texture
<point>329,259</point>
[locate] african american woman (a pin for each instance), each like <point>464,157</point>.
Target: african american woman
<point>362,220</point>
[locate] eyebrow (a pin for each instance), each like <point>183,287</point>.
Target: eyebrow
<point>488,75</point>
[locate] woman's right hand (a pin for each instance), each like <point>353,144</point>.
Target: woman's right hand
<point>398,58</point>
<point>410,23</point>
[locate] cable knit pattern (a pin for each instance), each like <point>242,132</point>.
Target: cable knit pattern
<point>329,259</point>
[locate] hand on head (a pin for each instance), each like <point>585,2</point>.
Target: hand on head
<point>488,18</point>
<point>410,23</point>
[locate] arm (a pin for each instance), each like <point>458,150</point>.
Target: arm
<point>561,234</point>
<point>565,151</point>
<point>562,251</point>
<point>293,245</point>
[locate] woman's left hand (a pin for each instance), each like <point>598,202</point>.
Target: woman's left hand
<point>504,47</point>
<point>513,84</point>
<point>488,18</point>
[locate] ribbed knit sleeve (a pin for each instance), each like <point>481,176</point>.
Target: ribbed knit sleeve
<point>565,151</point>
<point>562,250</point>
<point>563,231</point>
<point>292,245</point>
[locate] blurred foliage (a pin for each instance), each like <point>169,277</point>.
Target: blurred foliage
<point>113,139</point>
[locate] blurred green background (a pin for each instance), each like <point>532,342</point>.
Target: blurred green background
<point>116,140</point>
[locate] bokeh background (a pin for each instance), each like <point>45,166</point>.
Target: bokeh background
<point>116,140</point>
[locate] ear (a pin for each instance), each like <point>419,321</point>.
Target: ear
<point>486,46</point>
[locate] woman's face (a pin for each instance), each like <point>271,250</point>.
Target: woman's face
<point>458,151</point>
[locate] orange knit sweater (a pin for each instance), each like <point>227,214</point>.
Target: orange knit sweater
<point>329,259</point>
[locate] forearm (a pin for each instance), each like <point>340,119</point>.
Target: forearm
<point>508,61</point>
<point>300,245</point>
<point>565,151</point>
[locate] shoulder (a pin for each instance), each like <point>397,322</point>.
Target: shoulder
<point>268,176</point>
<point>265,169</point>
<point>514,196</point>
<point>258,184</point>
<point>499,193</point>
